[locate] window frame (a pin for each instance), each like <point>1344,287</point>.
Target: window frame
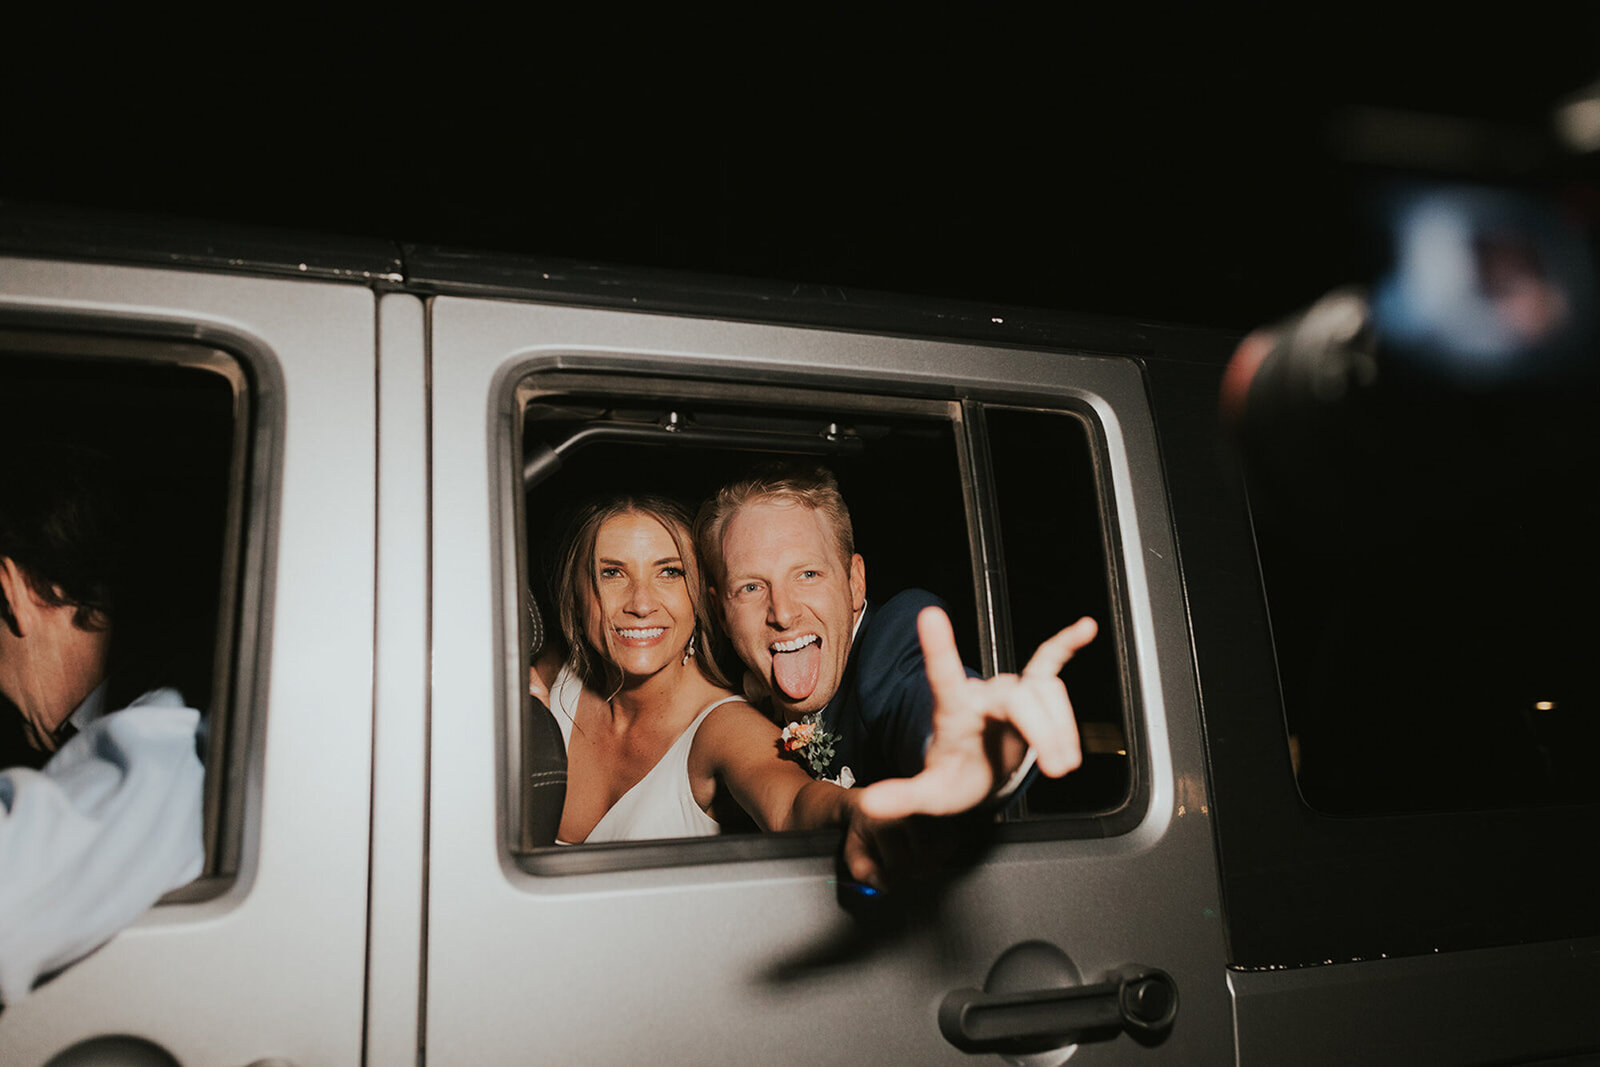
<point>1123,818</point>
<point>964,409</point>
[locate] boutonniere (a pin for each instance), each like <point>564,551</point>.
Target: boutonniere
<point>808,742</point>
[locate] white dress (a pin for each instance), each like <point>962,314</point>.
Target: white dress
<point>661,804</point>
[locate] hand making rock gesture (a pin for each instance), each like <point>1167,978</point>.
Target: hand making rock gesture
<point>981,724</point>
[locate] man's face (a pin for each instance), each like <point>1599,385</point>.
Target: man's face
<point>790,601</point>
<point>47,664</point>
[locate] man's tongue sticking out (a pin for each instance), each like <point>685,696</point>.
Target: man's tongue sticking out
<point>796,672</point>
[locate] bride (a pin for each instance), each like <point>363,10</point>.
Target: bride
<point>655,737</point>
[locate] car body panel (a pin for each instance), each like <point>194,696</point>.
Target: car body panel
<point>612,966</point>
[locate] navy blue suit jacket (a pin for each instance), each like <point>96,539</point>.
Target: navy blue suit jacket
<point>883,711</point>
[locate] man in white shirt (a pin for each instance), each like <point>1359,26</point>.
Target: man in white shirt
<point>112,820</point>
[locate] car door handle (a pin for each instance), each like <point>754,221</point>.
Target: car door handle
<point>1140,1000</point>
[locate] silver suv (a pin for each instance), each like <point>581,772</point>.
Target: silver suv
<point>368,448</point>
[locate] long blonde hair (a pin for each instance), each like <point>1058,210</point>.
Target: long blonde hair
<point>576,586</point>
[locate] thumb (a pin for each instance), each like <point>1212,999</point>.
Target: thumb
<point>898,798</point>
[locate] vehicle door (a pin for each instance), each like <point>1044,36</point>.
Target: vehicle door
<point>737,948</point>
<point>263,958</point>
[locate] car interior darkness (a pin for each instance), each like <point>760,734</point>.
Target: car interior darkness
<point>167,427</point>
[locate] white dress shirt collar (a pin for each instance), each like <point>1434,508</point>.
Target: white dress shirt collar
<point>92,708</point>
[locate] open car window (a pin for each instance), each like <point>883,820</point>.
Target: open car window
<point>997,510</point>
<point>170,421</point>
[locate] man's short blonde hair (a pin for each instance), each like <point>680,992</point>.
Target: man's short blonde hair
<point>782,483</point>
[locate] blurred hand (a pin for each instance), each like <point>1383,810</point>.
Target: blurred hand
<point>874,849</point>
<point>964,765</point>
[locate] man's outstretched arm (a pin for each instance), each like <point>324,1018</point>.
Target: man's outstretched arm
<point>963,766</point>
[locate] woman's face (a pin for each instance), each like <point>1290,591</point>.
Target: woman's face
<point>640,616</point>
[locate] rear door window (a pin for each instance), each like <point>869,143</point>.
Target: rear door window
<point>995,510</point>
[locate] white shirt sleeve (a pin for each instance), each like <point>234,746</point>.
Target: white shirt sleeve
<point>111,823</point>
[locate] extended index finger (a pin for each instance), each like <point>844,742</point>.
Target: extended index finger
<point>940,658</point>
<point>1051,656</point>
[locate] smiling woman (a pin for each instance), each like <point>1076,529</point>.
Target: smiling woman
<point>609,585</point>
<point>639,604</point>
<point>627,612</point>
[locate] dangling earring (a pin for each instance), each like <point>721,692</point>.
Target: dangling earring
<point>688,650</point>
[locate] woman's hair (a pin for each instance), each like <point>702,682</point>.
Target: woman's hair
<point>575,586</point>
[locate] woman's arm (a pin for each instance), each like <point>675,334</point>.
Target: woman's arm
<point>741,750</point>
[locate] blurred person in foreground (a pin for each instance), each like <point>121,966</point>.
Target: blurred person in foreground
<point>1417,454</point>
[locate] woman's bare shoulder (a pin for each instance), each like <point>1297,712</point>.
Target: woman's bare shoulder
<point>733,710</point>
<point>735,732</point>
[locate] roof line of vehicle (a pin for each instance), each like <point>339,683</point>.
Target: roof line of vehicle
<point>436,270</point>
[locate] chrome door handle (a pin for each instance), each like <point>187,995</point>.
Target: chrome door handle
<point>1140,1000</point>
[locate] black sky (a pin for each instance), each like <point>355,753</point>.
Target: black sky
<point>1181,168</point>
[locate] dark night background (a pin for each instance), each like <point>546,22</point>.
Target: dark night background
<point>1190,168</point>
<point>1212,167</point>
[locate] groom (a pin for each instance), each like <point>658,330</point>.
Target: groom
<point>887,680</point>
